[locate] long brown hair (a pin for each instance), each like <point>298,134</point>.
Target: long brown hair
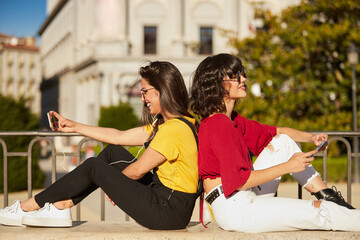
<point>174,98</point>
<point>207,90</point>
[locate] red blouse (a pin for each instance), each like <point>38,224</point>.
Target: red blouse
<point>224,147</point>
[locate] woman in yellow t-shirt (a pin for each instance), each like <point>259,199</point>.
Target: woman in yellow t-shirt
<point>160,199</point>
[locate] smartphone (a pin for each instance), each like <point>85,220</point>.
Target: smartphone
<point>52,121</point>
<point>318,148</point>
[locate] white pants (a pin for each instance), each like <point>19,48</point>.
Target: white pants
<point>255,210</point>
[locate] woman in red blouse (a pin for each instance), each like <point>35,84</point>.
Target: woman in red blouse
<point>240,193</point>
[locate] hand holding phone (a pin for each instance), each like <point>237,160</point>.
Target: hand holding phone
<point>53,123</point>
<point>319,148</point>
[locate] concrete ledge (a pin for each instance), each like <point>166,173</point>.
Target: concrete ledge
<point>130,230</point>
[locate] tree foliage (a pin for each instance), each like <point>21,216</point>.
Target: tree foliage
<point>121,117</point>
<point>299,59</point>
<point>16,116</point>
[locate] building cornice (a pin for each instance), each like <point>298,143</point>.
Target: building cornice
<point>52,15</point>
<point>20,47</point>
<point>84,64</point>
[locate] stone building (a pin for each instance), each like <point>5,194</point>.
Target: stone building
<point>20,72</point>
<point>91,50</point>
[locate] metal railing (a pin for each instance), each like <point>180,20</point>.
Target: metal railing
<point>46,136</point>
<point>340,137</point>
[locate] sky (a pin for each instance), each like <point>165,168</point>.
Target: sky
<point>22,18</point>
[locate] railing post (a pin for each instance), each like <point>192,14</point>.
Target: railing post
<point>5,172</point>
<point>356,160</point>
<point>325,167</point>
<point>348,169</point>
<point>29,168</point>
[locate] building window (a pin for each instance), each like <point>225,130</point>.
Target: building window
<point>206,40</point>
<point>149,40</point>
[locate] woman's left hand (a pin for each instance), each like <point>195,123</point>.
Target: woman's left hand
<point>317,139</point>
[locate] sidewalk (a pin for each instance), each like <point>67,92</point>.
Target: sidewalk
<point>127,231</point>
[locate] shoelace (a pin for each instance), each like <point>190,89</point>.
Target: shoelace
<point>338,193</point>
<point>45,208</point>
<point>13,208</point>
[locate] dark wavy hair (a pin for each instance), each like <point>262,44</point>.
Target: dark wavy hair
<point>207,90</point>
<point>167,79</point>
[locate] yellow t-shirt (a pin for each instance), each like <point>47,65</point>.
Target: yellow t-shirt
<point>175,140</point>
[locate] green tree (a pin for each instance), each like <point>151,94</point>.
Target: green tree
<point>299,61</point>
<point>121,117</point>
<point>16,116</point>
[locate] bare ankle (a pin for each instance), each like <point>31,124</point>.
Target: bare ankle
<point>29,205</point>
<point>63,204</point>
<point>315,185</point>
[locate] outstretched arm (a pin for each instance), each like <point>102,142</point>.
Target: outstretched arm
<point>132,137</point>
<point>300,136</point>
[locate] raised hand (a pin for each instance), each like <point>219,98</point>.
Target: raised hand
<point>317,139</point>
<point>63,124</point>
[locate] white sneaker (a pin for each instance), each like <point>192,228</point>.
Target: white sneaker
<point>48,216</point>
<point>12,215</point>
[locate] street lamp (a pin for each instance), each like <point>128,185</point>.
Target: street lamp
<point>353,59</point>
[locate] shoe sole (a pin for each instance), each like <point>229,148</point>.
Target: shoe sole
<point>10,222</point>
<point>46,222</point>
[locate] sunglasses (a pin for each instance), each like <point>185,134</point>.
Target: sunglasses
<point>237,78</point>
<point>143,91</point>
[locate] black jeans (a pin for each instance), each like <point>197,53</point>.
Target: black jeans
<point>147,200</point>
